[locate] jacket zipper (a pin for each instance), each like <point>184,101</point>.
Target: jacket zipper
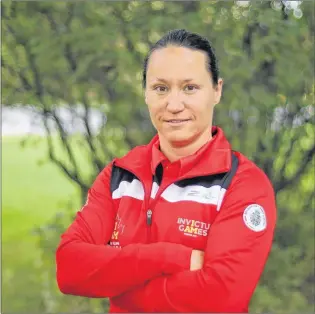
<point>149,223</point>
<point>151,207</point>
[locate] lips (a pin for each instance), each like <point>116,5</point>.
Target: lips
<point>177,120</point>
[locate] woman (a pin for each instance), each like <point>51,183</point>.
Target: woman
<point>182,224</point>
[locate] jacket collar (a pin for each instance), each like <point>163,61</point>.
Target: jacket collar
<point>213,158</point>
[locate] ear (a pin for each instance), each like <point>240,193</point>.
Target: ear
<point>218,91</point>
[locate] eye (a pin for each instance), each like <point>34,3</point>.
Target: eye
<point>190,88</point>
<point>160,89</point>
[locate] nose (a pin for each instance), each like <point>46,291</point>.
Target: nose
<point>175,103</point>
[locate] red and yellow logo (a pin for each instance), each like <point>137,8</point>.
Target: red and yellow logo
<point>192,227</point>
<point>118,229</point>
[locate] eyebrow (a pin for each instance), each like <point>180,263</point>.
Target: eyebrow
<point>165,81</point>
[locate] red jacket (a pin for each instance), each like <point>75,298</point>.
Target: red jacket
<point>132,241</point>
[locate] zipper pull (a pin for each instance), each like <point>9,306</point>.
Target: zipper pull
<point>149,217</point>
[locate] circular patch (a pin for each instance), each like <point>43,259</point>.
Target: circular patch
<point>255,218</point>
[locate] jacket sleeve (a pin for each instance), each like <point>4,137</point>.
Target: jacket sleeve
<point>237,249</point>
<point>87,266</point>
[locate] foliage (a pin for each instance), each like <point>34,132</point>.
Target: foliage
<point>91,54</point>
<point>32,192</point>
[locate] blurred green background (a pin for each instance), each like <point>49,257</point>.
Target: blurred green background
<point>72,100</point>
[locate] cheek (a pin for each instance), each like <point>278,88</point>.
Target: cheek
<point>203,118</point>
<point>200,103</point>
<point>203,114</point>
<point>155,112</point>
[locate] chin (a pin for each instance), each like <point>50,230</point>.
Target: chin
<point>179,138</point>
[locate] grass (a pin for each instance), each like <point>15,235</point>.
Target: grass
<point>32,193</point>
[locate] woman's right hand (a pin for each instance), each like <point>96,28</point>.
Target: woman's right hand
<point>196,260</point>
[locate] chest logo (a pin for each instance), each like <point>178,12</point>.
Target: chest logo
<point>119,228</point>
<point>193,228</point>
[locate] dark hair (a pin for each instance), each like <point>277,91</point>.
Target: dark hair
<point>183,38</point>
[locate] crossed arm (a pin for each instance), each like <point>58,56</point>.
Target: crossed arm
<point>87,267</point>
<point>166,277</point>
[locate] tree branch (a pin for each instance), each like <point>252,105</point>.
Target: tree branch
<point>124,31</point>
<point>65,142</point>
<point>73,175</point>
<point>73,65</point>
<point>40,92</point>
<point>285,15</point>
<point>71,9</point>
<point>25,83</point>
<point>248,38</point>
<point>89,136</point>
<point>281,176</point>
<point>282,183</point>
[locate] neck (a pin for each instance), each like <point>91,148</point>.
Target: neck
<point>175,151</point>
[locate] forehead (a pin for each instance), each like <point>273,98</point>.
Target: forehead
<point>176,63</point>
